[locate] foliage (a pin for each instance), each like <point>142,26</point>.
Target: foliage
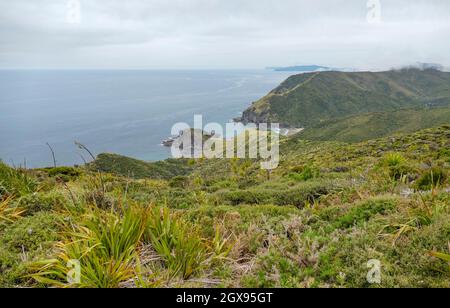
<point>442,256</point>
<point>64,173</point>
<point>138,169</point>
<point>179,182</point>
<point>314,222</point>
<point>298,195</point>
<point>180,247</point>
<point>431,179</point>
<point>8,213</point>
<point>41,201</point>
<point>361,213</point>
<point>304,173</point>
<point>305,100</point>
<point>396,164</point>
<point>377,124</point>
<point>15,182</point>
<point>31,233</point>
<point>105,246</point>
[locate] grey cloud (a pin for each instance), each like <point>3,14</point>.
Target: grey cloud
<point>222,33</point>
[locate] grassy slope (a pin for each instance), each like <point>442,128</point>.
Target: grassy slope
<point>377,125</point>
<point>315,222</point>
<point>126,166</point>
<point>307,99</point>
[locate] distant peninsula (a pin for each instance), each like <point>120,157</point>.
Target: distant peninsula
<point>301,68</point>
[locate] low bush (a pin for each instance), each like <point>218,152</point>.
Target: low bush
<point>15,182</point>
<point>31,233</point>
<point>99,198</point>
<point>178,199</point>
<point>64,173</point>
<point>179,182</point>
<point>38,202</point>
<point>431,179</point>
<point>396,164</point>
<point>297,196</point>
<point>8,212</point>
<point>304,173</point>
<point>105,246</point>
<point>180,247</point>
<point>442,256</point>
<point>11,268</point>
<point>362,212</point>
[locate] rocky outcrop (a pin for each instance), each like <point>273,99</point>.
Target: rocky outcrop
<point>251,116</point>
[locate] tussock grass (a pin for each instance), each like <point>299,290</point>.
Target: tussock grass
<point>105,246</point>
<point>16,182</point>
<point>182,249</point>
<point>9,213</point>
<point>313,222</point>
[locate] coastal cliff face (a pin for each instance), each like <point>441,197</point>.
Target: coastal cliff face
<point>305,100</point>
<point>251,115</point>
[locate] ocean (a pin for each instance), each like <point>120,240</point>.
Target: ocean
<point>123,112</point>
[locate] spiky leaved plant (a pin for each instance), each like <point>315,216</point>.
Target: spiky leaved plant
<point>105,247</point>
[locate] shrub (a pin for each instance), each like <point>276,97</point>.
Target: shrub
<point>9,213</point>
<point>38,202</point>
<point>396,164</point>
<point>303,173</point>
<point>431,179</point>
<point>444,153</point>
<point>225,184</point>
<point>178,198</point>
<point>297,196</point>
<point>300,196</point>
<point>179,182</point>
<point>118,235</point>
<point>105,245</point>
<point>364,212</point>
<point>442,256</point>
<point>31,233</point>
<point>99,199</point>
<point>177,243</point>
<point>64,173</point>
<point>11,269</point>
<point>255,196</point>
<point>341,169</point>
<point>15,182</point>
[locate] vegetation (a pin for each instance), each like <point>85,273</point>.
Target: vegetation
<point>307,100</point>
<point>15,182</point>
<point>314,222</point>
<point>376,125</point>
<point>134,168</point>
<point>180,247</point>
<point>431,178</point>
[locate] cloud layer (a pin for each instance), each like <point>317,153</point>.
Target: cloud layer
<point>141,34</point>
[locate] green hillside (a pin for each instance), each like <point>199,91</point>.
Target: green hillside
<point>315,221</point>
<point>307,99</point>
<point>377,125</point>
<point>363,182</point>
<point>126,166</point>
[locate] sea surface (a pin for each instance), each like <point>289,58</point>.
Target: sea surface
<point>123,112</point>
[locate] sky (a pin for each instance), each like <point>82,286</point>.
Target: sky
<point>222,34</point>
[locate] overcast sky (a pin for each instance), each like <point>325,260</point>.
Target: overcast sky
<point>183,34</point>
